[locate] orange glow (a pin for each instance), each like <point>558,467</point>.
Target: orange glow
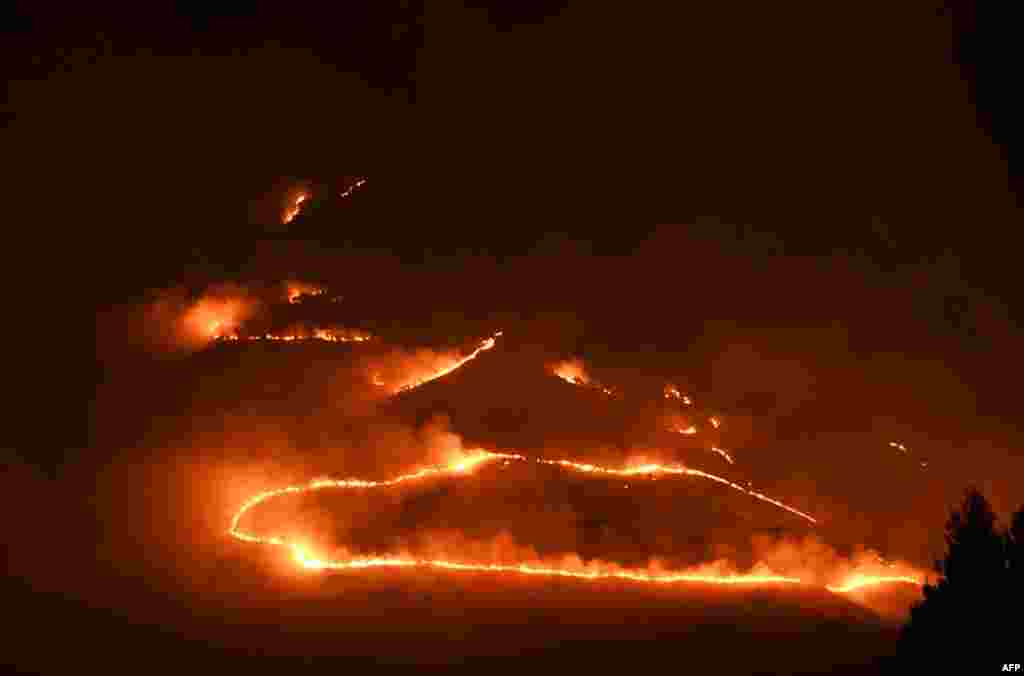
<point>341,335</point>
<point>213,318</point>
<point>571,371</point>
<point>221,325</point>
<point>328,335</point>
<point>723,453</point>
<point>852,581</point>
<point>858,581</point>
<point>485,345</point>
<point>352,188</point>
<point>672,392</point>
<point>529,569</point>
<point>296,290</point>
<point>293,210</point>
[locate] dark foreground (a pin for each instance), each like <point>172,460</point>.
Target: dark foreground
<point>443,620</point>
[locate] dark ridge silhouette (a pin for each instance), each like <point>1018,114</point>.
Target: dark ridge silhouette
<point>968,616</point>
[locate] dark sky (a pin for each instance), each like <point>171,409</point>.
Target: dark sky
<point>148,145</point>
<point>163,126</point>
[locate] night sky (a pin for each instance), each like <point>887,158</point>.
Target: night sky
<point>152,147</point>
<point>811,212</point>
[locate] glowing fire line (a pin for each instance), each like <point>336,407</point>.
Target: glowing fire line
<point>484,346</point>
<point>465,466</point>
<point>296,206</point>
<point>326,335</point>
<point>854,583</point>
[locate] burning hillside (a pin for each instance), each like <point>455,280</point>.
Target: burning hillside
<point>676,413</point>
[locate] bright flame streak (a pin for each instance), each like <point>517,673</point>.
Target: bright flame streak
<point>723,453</point>
<point>852,583</point>
<point>571,372</point>
<point>463,466</point>
<point>672,392</point>
<point>352,188</point>
<point>293,211</point>
<point>328,335</point>
<point>685,430</point>
<point>484,346</point>
<point>215,318</point>
<point>574,373</point>
<point>898,445</point>
<point>297,289</point>
<point>860,581</point>
<point>527,569</point>
<point>341,336</point>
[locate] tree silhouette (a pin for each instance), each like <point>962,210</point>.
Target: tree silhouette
<point>965,618</point>
<point>1015,562</point>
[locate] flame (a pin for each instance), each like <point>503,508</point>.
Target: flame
<point>672,392</point>
<point>853,581</point>
<point>723,453</point>
<point>216,318</point>
<point>327,335</point>
<point>477,458</point>
<point>341,336</point>
<point>485,345</point>
<point>292,211</point>
<point>529,569</point>
<point>219,324</point>
<point>571,371</point>
<point>296,290</point>
<point>859,581</point>
<point>352,188</point>
<point>898,445</point>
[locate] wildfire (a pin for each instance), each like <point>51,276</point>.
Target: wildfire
<point>485,345</point>
<point>341,336</point>
<point>213,318</point>
<point>296,291</point>
<point>220,323</point>
<point>858,581</point>
<point>352,188</point>
<point>672,392</point>
<point>291,212</point>
<point>295,207</point>
<point>465,465</point>
<point>327,335</point>
<point>571,371</point>
<point>723,453</point>
<point>898,445</point>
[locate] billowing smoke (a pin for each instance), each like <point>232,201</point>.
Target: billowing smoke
<point>174,320</point>
<point>571,370</point>
<point>296,290</point>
